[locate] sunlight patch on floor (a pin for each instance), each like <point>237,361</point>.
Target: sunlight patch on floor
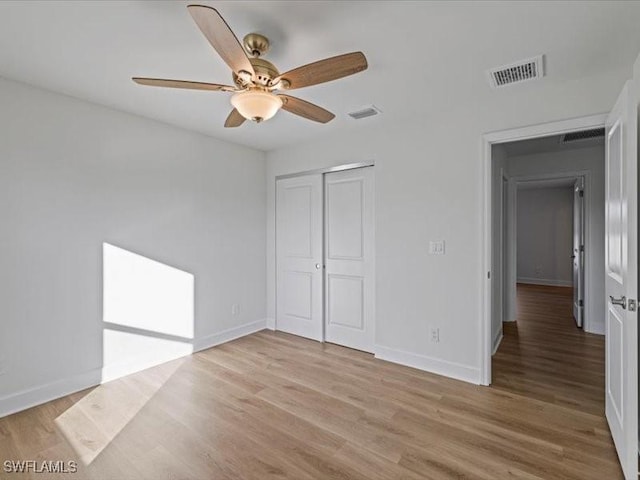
<point>148,320</point>
<point>92,423</point>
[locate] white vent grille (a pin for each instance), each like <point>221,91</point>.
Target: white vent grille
<point>365,112</point>
<point>523,71</point>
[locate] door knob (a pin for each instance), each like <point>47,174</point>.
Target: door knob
<point>318,266</point>
<point>622,301</point>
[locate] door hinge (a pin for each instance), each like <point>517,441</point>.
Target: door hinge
<point>582,248</point>
<point>581,303</point>
<point>489,275</point>
<point>582,193</point>
<point>631,305</point>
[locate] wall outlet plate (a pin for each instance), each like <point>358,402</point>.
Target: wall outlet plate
<point>436,247</point>
<point>435,335</point>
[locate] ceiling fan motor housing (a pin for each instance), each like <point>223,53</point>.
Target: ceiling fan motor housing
<point>265,73</point>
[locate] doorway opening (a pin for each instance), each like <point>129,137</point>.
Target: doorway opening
<point>548,268</point>
<point>549,218</point>
<point>535,158</point>
<point>548,256</point>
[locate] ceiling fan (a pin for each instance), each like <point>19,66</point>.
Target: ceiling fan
<point>257,81</point>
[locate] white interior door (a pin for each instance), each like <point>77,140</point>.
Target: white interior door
<point>349,252</point>
<point>622,280</point>
<point>299,256</point>
<point>578,252</point>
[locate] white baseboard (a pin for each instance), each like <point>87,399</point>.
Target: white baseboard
<point>16,402</point>
<point>545,281</point>
<point>270,323</point>
<point>146,360</point>
<point>429,364</point>
<point>597,328</point>
<point>228,335</point>
<point>496,342</point>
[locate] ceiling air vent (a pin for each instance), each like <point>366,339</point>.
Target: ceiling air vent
<point>583,135</point>
<point>523,71</point>
<point>369,111</point>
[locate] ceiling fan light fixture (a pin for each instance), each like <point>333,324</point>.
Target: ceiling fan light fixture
<point>255,79</point>
<point>256,105</point>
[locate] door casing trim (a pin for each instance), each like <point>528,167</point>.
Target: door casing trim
<point>486,141</point>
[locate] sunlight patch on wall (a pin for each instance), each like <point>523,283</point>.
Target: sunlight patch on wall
<point>148,312</point>
<point>145,294</point>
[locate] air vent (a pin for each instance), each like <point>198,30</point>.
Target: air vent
<point>523,71</point>
<point>369,111</point>
<point>583,135</point>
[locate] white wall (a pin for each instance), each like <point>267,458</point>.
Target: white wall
<point>590,160</point>
<point>428,187</point>
<point>73,176</point>
<point>545,236</point>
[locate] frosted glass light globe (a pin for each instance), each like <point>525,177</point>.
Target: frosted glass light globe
<point>256,105</point>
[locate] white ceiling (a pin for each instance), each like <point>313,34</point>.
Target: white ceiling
<point>422,55</point>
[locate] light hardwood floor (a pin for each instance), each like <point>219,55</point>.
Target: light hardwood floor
<point>274,406</point>
<point>544,356</point>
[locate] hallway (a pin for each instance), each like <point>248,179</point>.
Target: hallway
<point>544,356</point>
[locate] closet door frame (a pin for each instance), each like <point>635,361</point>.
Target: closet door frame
<point>337,168</point>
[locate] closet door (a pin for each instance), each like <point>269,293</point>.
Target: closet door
<point>299,256</point>
<point>349,258</point>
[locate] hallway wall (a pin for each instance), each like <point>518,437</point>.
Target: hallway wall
<point>545,236</point>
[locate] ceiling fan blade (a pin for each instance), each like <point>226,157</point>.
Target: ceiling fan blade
<point>162,82</point>
<point>306,109</point>
<point>221,38</point>
<point>234,119</point>
<point>325,70</point>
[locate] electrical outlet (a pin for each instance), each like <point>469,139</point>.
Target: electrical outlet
<point>436,248</point>
<point>235,309</point>
<point>435,335</point>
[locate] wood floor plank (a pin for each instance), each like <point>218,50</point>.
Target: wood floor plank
<point>275,406</point>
